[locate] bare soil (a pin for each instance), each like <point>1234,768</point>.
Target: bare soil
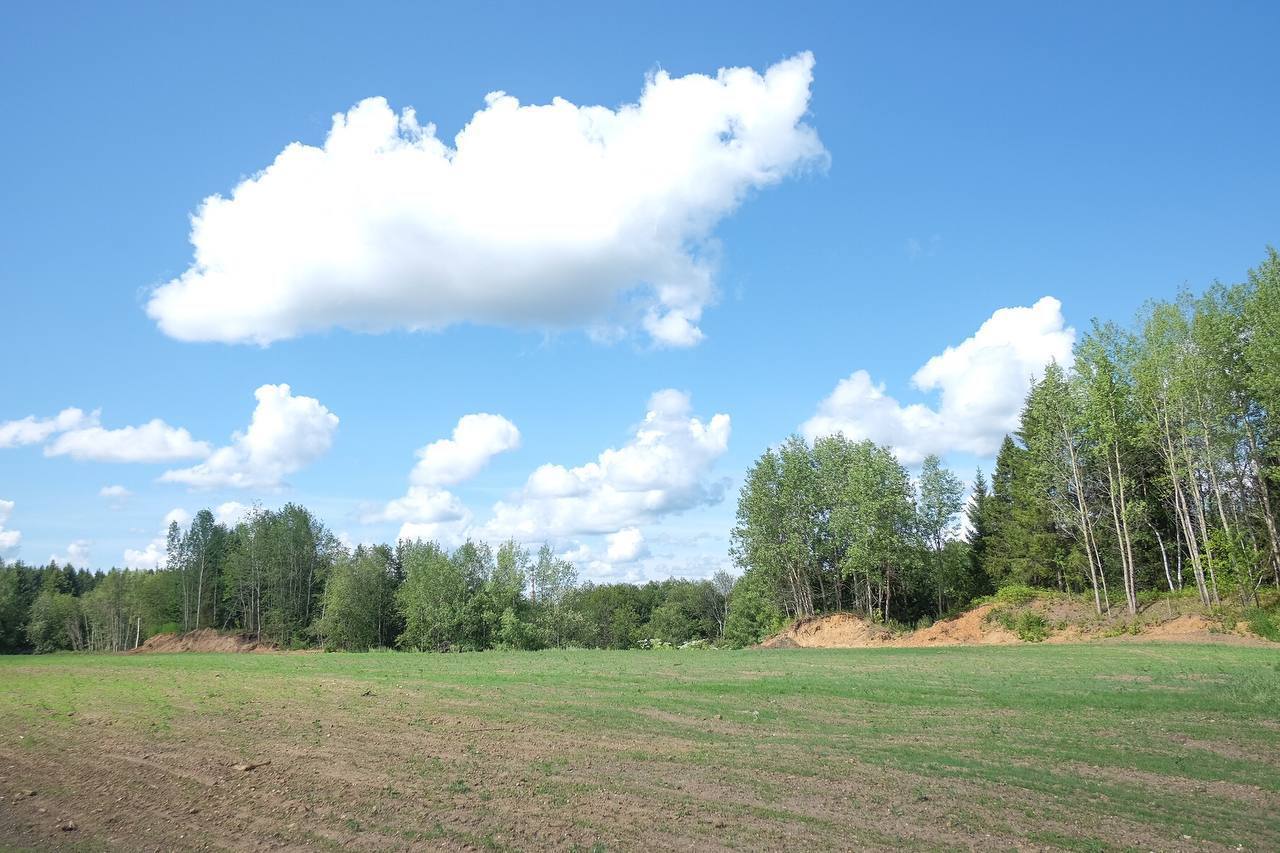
<point>203,640</point>
<point>837,631</point>
<point>1070,622</point>
<point>630,751</point>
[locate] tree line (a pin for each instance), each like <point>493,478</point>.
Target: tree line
<point>280,576</point>
<point>1151,462</point>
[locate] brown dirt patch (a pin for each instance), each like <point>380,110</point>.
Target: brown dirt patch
<point>968,629</point>
<point>837,631</point>
<point>850,631</point>
<point>204,640</point>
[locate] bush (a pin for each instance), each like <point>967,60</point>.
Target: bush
<point>1017,594</point>
<point>753,615</point>
<point>1264,624</point>
<point>1031,627</point>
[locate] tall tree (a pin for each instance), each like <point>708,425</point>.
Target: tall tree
<point>940,501</point>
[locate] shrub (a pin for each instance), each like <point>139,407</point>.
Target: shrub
<point>1017,594</point>
<point>1263,624</point>
<point>1001,616</point>
<point>1031,627</point>
<point>753,615</point>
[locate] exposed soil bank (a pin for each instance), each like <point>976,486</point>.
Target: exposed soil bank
<point>1067,621</point>
<point>204,640</point>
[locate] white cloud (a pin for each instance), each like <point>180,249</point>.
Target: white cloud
<point>155,554</point>
<point>77,554</point>
<point>539,216</point>
<point>33,430</point>
<point>665,468</point>
<point>286,434</point>
<point>74,433</point>
<point>154,441</point>
<point>231,513</point>
<point>430,511</point>
<point>422,504</point>
<point>626,546</point>
<point>449,533</point>
<point>476,439</point>
<point>9,539</point>
<point>117,496</point>
<point>982,384</point>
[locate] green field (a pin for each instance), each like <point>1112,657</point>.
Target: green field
<point>1125,746</point>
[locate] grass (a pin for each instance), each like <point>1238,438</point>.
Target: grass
<point>1087,747</point>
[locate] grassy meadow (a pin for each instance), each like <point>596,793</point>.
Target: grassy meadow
<point>1087,747</point>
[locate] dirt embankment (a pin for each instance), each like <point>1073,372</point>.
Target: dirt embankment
<point>850,631</point>
<point>837,631</point>
<point>204,640</point>
<point>971,628</point>
<point>1066,620</point>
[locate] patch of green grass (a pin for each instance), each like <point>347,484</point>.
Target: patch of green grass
<point>1082,747</point>
<point>1264,623</point>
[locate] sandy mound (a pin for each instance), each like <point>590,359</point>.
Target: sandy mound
<point>837,631</point>
<point>1075,623</point>
<point>1184,625</point>
<point>967,629</point>
<point>849,631</point>
<point>203,640</point>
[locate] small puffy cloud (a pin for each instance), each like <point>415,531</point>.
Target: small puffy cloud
<point>178,516</point>
<point>77,554</point>
<point>476,439</point>
<point>981,383</point>
<point>155,553</point>
<point>231,513</point>
<point>428,510</point>
<point>539,216</point>
<point>33,430</point>
<point>626,546</point>
<point>450,534</point>
<point>153,556</point>
<point>116,495</point>
<point>286,434</point>
<point>154,441</point>
<point>665,468</point>
<point>422,504</point>
<point>9,539</point>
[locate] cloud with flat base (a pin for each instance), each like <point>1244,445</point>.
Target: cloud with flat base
<point>538,216</point>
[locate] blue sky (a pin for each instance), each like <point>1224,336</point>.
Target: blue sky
<point>971,159</point>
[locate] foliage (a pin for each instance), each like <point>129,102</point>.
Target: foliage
<point>837,524</point>
<point>1264,623</point>
<point>753,612</point>
<point>1028,625</point>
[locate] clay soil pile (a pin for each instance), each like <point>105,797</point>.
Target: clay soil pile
<point>1068,621</point>
<point>968,629</point>
<point>837,631</point>
<point>204,640</point>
